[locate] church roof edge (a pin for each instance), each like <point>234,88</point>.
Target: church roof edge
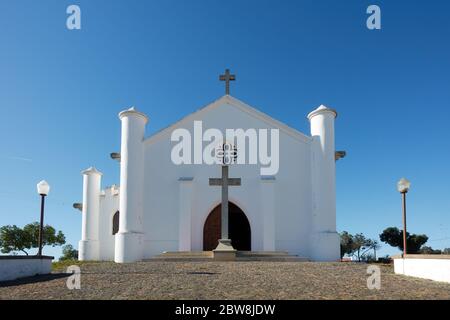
<point>228,99</point>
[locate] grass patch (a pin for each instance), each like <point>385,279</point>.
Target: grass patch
<point>62,265</point>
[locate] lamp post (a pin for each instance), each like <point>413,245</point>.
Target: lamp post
<point>403,186</point>
<point>42,188</point>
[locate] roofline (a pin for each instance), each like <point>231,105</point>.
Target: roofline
<point>241,106</point>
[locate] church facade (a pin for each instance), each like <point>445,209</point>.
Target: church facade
<point>166,205</point>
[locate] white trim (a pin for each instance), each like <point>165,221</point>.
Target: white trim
<point>132,112</point>
<point>91,170</point>
<point>320,110</point>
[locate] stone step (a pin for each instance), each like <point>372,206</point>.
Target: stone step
<point>273,259</point>
<point>267,256</point>
<point>185,256</point>
<point>180,259</point>
<point>262,253</point>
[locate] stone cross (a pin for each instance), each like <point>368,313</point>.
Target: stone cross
<point>224,182</point>
<point>227,77</point>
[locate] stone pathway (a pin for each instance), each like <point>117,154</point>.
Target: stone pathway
<point>225,280</point>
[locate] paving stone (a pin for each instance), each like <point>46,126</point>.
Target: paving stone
<point>225,280</point>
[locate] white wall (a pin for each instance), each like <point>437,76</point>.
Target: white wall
<point>324,241</point>
<point>88,246</point>
<point>437,269</point>
<point>20,267</point>
<point>292,189</point>
<point>164,195</point>
<point>109,205</point>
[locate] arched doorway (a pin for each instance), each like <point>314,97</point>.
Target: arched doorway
<point>238,228</point>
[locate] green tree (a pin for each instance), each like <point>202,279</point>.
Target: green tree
<point>50,237</point>
<point>446,251</point>
<point>13,238</point>
<point>357,245</point>
<point>429,250</point>
<point>368,257</point>
<point>394,237</point>
<point>360,242</point>
<point>346,243</point>
<point>370,245</point>
<point>69,253</point>
<point>385,259</point>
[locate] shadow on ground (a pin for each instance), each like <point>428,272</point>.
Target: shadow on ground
<point>34,279</point>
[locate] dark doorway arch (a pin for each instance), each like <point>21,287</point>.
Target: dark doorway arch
<point>238,229</point>
<point>115,227</point>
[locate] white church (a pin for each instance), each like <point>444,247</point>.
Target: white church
<point>162,205</point>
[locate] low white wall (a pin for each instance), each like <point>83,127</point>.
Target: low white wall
<point>15,267</point>
<point>433,267</point>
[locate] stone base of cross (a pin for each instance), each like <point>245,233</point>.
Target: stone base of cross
<point>224,250</point>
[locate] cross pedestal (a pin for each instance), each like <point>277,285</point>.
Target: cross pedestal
<point>224,250</point>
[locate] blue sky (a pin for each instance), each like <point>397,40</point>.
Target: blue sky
<point>61,90</point>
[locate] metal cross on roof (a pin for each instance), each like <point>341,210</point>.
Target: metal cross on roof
<point>227,77</point>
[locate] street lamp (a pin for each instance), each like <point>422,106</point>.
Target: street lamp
<point>42,188</point>
<point>403,186</point>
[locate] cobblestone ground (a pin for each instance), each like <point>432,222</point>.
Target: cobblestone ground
<point>225,280</point>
